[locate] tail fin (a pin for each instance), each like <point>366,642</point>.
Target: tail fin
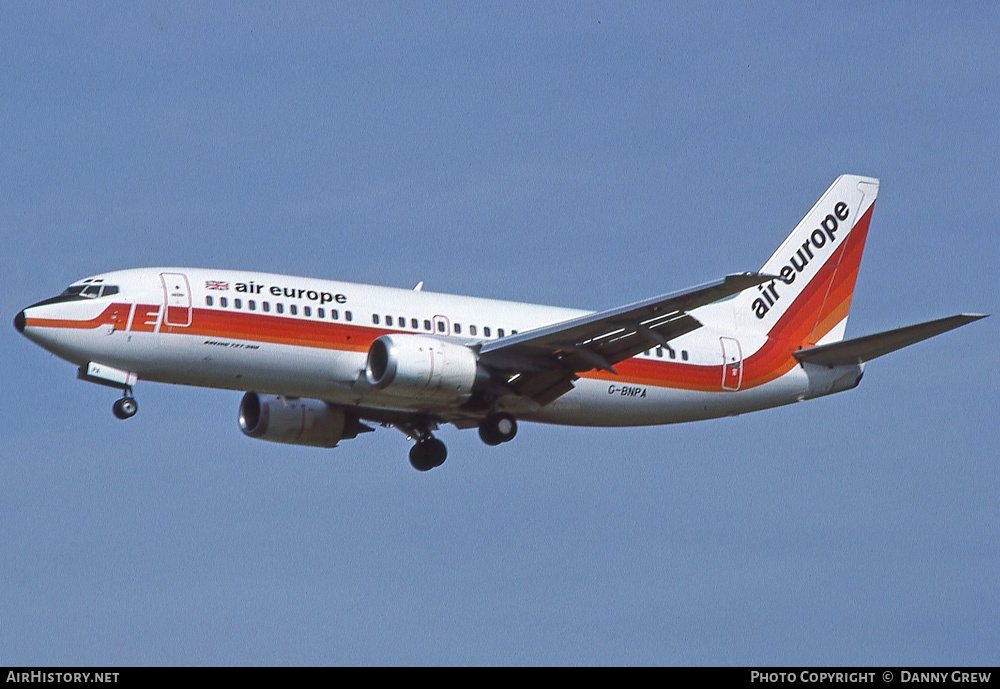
<point>815,269</point>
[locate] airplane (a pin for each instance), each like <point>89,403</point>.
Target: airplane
<point>319,361</point>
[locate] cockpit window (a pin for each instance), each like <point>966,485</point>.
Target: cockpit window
<point>91,291</point>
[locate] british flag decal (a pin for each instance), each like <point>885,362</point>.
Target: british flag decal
<point>216,284</point>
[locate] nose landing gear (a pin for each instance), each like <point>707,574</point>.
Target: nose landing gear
<point>126,406</point>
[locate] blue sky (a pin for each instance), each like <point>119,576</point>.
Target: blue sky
<point>580,154</point>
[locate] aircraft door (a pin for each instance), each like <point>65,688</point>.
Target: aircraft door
<point>732,364</point>
<point>176,299</point>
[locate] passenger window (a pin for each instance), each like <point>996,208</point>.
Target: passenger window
<point>267,306</point>
<point>684,354</point>
<point>388,320</point>
<point>335,314</point>
<point>472,330</point>
<point>458,328</point>
<point>402,322</point>
<point>293,309</point>
<point>513,332</point>
<point>252,304</point>
<point>375,318</point>
<point>208,301</point>
<point>499,332</point>
<point>659,352</point>
<point>427,325</point>
<point>440,326</point>
<point>279,307</point>
<point>223,302</point>
<point>320,312</point>
<point>238,303</point>
<point>348,316</point>
<point>414,323</point>
<point>486,331</point>
<point>307,311</point>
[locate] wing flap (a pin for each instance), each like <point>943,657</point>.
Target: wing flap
<point>862,349</point>
<point>665,315</point>
<point>542,364</point>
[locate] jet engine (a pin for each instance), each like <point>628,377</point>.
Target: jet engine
<point>296,421</point>
<point>419,366</point>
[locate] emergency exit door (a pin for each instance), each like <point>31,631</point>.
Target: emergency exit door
<point>732,363</point>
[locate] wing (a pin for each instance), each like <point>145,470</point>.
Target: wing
<point>542,364</point>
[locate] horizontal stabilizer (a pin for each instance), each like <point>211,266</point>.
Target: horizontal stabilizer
<point>866,348</point>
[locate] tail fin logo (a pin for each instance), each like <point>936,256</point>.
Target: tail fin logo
<point>822,237</point>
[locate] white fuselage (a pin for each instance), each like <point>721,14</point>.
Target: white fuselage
<point>302,337</point>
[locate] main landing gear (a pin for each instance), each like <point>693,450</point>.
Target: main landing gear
<point>126,406</point>
<point>495,430</point>
<point>427,453</point>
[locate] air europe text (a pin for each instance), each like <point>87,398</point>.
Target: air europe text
<point>821,237</point>
<point>291,292</point>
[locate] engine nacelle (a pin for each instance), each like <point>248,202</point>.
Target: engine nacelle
<point>296,421</point>
<point>419,366</point>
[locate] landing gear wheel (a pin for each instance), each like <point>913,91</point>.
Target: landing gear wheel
<point>125,408</point>
<point>498,429</point>
<point>428,453</point>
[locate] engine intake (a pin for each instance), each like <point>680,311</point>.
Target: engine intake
<point>296,421</point>
<point>420,366</point>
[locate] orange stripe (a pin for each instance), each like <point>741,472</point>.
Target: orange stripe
<point>277,330</point>
<point>116,314</point>
<point>770,362</point>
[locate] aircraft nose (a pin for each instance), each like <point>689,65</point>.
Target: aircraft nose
<point>19,321</point>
